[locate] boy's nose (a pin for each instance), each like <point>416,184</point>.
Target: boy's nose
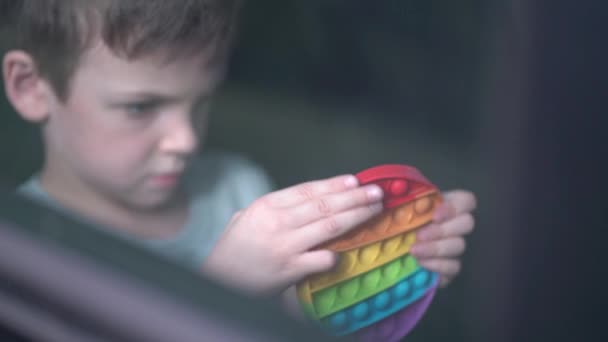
<point>180,136</point>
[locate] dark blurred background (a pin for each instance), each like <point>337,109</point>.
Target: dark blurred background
<point>318,88</point>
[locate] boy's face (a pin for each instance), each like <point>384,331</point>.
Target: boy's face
<point>128,128</point>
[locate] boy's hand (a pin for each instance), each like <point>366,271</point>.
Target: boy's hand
<point>267,246</point>
<point>440,244</point>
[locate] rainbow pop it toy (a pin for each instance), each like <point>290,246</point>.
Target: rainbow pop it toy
<point>378,290</point>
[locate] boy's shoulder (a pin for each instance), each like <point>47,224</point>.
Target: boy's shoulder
<point>214,173</point>
<point>220,171</point>
<point>214,161</point>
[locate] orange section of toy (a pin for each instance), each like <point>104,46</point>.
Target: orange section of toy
<point>393,222</point>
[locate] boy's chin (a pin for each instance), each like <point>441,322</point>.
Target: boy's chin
<point>156,200</point>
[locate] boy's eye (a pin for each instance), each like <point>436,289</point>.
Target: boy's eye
<point>140,108</point>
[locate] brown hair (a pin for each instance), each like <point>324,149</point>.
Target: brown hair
<point>56,32</point>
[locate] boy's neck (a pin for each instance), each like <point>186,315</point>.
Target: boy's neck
<point>159,224</point>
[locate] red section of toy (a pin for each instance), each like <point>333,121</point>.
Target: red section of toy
<point>409,202</point>
<point>400,183</point>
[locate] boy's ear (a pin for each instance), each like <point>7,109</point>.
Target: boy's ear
<point>25,88</point>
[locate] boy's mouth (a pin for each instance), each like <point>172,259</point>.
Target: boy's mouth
<point>167,180</point>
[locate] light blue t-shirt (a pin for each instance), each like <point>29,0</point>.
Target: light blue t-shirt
<point>219,184</point>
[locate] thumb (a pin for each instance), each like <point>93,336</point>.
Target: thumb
<point>313,262</point>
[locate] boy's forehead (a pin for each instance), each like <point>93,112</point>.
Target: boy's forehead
<point>160,68</point>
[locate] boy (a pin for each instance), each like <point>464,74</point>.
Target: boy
<point>120,90</point>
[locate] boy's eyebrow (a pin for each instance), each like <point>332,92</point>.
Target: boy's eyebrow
<point>144,95</point>
<point>156,96</point>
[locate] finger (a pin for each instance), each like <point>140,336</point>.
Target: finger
<point>312,262</point>
<point>235,217</point>
<point>458,226</point>
<point>332,204</point>
<point>449,268</point>
<point>310,190</point>
<point>333,226</point>
<point>444,281</point>
<point>446,248</point>
<point>455,203</point>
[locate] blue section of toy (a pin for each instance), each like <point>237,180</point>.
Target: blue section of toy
<point>382,305</point>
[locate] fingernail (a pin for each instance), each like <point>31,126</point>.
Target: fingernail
<point>440,214</point>
<point>376,208</point>
<point>429,232</point>
<point>423,235</point>
<point>416,250</point>
<point>351,181</point>
<point>374,192</point>
<point>424,264</point>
